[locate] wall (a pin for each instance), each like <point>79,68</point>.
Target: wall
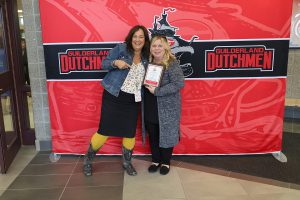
<point>293,88</point>
<point>37,73</point>
<point>292,101</point>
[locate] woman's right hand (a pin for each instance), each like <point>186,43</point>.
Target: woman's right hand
<point>121,64</point>
<point>150,88</point>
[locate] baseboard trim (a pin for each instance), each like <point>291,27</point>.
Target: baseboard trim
<point>43,145</point>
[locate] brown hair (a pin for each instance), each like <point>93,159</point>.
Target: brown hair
<point>128,40</point>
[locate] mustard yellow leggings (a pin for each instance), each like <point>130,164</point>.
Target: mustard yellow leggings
<point>98,140</point>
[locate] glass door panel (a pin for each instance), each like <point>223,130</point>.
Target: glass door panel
<point>9,130</point>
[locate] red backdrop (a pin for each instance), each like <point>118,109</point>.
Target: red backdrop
<point>234,112</point>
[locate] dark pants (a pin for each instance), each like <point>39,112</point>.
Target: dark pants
<point>159,155</point>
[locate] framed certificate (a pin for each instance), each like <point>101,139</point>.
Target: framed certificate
<point>153,75</point>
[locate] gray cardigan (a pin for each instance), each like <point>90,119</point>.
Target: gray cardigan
<point>169,106</point>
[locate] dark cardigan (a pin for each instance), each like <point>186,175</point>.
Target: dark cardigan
<point>169,106</point>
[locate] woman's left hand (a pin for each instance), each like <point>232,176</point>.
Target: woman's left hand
<point>150,88</point>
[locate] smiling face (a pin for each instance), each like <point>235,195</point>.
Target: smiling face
<point>138,40</point>
<point>157,50</point>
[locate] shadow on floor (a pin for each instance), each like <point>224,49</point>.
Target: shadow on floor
<point>264,166</point>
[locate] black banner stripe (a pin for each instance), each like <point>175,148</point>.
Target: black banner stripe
<point>199,59</point>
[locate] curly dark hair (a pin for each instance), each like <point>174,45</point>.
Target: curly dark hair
<point>128,40</point>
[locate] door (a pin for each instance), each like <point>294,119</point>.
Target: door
<point>9,128</point>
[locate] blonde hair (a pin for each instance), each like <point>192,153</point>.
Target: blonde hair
<point>168,56</point>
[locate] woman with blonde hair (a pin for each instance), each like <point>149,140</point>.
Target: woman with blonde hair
<point>162,106</point>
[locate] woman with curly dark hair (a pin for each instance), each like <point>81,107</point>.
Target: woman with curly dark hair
<point>126,64</point>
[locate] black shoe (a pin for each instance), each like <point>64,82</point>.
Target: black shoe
<point>164,169</point>
<point>153,167</point>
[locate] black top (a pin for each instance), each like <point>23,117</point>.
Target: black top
<point>150,107</point>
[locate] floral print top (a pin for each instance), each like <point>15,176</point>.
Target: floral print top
<point>134,80</point>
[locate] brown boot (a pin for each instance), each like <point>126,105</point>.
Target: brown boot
<point>87,161</point>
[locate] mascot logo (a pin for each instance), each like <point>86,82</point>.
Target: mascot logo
<point>179,46</point>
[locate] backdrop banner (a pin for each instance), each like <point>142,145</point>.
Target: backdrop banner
<point>233,55</point>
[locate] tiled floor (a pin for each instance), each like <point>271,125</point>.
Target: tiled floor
<point>22,159</point>
<point>187,180</point>
<point>254,177</point>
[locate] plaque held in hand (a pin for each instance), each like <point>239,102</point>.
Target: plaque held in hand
<point>153,75</point>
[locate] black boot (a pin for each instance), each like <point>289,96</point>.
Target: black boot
<point>87,161</point>
<point>127,155</point>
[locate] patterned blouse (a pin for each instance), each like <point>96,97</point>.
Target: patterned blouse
<point>133,81</point>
